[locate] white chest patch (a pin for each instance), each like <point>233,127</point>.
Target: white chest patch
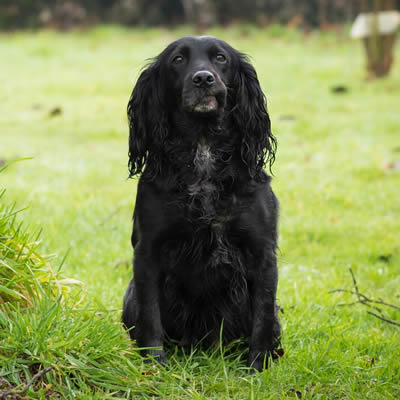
<point>203,188</point>
<point>204,196</point>
<point>204,160</point>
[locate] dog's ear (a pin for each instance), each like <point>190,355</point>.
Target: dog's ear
<point>251,116</point>
<point>148,124</point>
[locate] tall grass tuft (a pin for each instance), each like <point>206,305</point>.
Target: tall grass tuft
<point>45,337</point>
<point>25,275</point>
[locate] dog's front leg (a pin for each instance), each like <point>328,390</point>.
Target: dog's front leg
<point>149,331</point>
<point>265,335</point>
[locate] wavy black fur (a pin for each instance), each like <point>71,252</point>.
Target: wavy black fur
<point>205,221</point>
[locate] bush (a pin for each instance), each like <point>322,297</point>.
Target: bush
<point>66,14</point>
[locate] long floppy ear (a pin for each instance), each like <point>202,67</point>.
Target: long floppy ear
<point>251,116</point>
<point>148,125</point>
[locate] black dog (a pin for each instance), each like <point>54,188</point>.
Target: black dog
<point>205,221</point>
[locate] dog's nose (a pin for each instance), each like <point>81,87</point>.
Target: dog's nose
<point>203,79</point>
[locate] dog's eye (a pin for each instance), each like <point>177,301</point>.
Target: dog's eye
<point>178,60</point>
<point>220,58</point>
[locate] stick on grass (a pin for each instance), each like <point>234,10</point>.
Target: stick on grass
<point>367,301</point>
<point>14,392</point>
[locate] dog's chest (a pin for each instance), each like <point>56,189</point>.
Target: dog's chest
<point>205,188</point>
<point>211,207</point>
<point>204,161</point>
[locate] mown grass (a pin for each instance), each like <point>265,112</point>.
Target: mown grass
<point>339,208</point>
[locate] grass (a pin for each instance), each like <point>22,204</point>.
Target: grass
<point>63,104</point>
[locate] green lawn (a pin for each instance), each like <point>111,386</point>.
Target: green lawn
<point>340,208</point>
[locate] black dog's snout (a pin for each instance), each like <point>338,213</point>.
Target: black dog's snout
<point>203,79</point>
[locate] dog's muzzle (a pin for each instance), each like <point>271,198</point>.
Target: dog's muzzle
<point>205,93</point>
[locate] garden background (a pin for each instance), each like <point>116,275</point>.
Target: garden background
<point>65,213</point>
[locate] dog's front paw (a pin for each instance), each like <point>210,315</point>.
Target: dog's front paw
<point>157,355</point>
<point>258,360</point>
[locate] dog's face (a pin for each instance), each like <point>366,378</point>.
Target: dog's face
<point>200,80</point>
<point>199,70</point>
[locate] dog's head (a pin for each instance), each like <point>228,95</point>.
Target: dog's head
<point>202,78</point>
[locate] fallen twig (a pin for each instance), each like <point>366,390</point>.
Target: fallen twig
<point>14,392</point>
<point>390,321</point>
<point>367,301</point>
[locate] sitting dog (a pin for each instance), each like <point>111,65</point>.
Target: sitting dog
<point>205,220</point>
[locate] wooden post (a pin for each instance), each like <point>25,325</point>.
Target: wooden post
<point>378,46</point>
<point>376,26</point>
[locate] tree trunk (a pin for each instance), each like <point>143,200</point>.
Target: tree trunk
<point>188,9</point>
<point>201,13</point>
